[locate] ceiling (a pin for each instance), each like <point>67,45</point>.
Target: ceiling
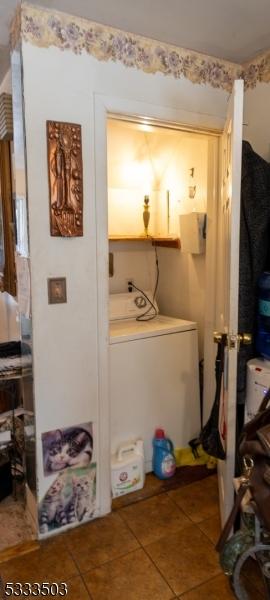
<point>235,30</point>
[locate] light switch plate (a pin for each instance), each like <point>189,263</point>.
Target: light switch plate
<point>57,290</point>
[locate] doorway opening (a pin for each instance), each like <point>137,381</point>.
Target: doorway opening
<point>162,195</point>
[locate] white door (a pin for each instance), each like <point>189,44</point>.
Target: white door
<point>227,278</point>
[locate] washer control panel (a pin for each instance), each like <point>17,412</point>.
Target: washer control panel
<point>129,305</point>
<point>140,301</point>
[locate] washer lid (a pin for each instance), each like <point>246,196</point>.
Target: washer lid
<point>126,330</point>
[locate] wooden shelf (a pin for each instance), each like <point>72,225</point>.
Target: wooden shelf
<point>166,242</point>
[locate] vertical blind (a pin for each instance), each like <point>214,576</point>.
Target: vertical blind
<point>6,125</point>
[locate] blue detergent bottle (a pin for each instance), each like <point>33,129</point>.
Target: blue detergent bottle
<point>263,318</point>
<point>163,456</point>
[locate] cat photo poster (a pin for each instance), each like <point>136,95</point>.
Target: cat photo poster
<point>71,447</point>
<point>70,499</point>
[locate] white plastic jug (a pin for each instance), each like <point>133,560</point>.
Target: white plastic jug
<point>127,468</point>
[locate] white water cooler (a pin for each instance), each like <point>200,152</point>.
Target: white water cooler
<point>258,382</point>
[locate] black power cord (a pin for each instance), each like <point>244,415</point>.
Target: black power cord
<point>146,316</point>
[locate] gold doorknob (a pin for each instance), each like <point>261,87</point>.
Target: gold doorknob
<point>218,337</point>
<point>245,338</point>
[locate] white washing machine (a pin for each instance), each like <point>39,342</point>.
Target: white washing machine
<point>154,379</point>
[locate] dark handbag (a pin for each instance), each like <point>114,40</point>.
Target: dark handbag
<point>210,435</point>
<point>254,447</point>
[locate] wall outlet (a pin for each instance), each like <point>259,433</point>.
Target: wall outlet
<point>130,282</point>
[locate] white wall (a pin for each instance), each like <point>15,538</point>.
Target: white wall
<point>148,160</point>
<point>256,119</point>
<point>181,290</point>
<point>70,340</point>
<point>182,287</point>
<point>132,260</point>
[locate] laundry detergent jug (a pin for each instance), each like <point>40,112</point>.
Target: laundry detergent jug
<point>127,468</point>
<point>163,455</point>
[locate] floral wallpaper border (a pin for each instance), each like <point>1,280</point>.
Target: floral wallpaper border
<point>44,28</point>
<point>257,70</point>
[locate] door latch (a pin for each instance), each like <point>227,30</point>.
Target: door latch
<point>232,340</point>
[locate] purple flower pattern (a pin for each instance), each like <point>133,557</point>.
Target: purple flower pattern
<point>32,27</point>
<point>40,27</point>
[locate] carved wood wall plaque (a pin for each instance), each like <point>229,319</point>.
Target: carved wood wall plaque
<point>65,178</point>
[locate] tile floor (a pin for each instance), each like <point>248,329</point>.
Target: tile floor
<point>161,548</point>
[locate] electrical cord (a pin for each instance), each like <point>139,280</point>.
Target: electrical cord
<point>145,316</point>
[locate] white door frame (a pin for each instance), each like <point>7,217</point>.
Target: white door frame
<point>102,106</point>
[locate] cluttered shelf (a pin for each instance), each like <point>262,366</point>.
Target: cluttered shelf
<point>15,360</point>
<point>15,363</point>
<point>167,242</point>
<point>15,440</point>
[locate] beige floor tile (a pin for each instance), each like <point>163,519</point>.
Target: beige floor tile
<point>186,559</point>
<point>100,541</point>
<point>154,518</point>
<point>212,528</point>
<point>152,486</point>
<point>215,589</point>
<point>199,500</point>
<point>77,589</point>
<point>51,562</point>
<point>132,577</point>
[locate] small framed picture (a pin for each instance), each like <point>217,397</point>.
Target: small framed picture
<point>57,290</point>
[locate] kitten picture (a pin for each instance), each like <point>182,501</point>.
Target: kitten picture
<point>84,495</point>
<point>67,448</point>
<point>70,499</point>
<point>52,510</point>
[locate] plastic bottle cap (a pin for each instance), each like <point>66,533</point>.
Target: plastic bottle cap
<point>159,433</point>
